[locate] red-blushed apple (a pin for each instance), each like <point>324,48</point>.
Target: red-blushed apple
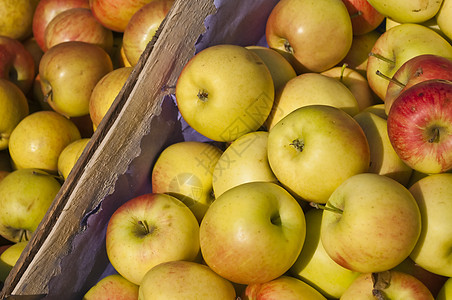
<point>16,63</point>
<point>16,17</point>
<point>284,287</point>
<point>112,287</point>
<point>69,71</point>
<point>305,31</point>
<point>115,15</point>
<point>364,16</point>
<point>77,24</point>
<point>46,10</point>
<point>224,92</point>
<point>371,223</point>
<point>420,126</point>
<point>314,149</point>
<point>142,27</point>
<point>393,285</point>
<point>148,230</point>
<point>252,233</point>
<point>417,69</point>
<point>184,280</point>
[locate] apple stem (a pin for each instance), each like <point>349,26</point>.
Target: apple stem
<point>435,137</point>
<point>393,80</point>
<point>288,47</point>
<point>23,236</point>
<point>145,226</point>
<point>379,56</point>
<point>380,281</point>
<point>356,14</point>
<point>203,95</point>
<point>326,207</point>
<point>344,66</point>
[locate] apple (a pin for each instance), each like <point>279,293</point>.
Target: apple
<point>16,63</point>
<point>383,159</point>
<point>225,91</point>
<point>25,196</point>
<point>184,280</point>
<point>387,285</point>
<point>13,108</point>
<point>69,156</point>
<point>16,17</point>
<point>431,23</point>
<point>45,11</point>
<point>311,89</point>
<point>148,230</point>
<point>397,45</point>
<point>407,11</point>
<point>37,141</point>
<point>9,257</point>
<point>280,69</point>
<point>355,82</point>
<point>371,223</point>
<point>36,52</point>
<point>105,92</point>
<point>69,71</point>
<point>244,160</point>
<point>417,69</point>
<point>185,171</point>
<point>142,27</point>
<point>419,125</point>
<point>443,18</point>
<point>77,24</point>
<point>284,287</point>
<point>445,292</point>
<point>112,286</point>
<point>315,267</point>
<point>116,15</point>
<point>252,233</point>
<point>364,17</point>
<point>314,149</point>
<point>433,194</point>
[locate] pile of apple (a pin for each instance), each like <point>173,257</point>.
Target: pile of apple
<point>62,64</point>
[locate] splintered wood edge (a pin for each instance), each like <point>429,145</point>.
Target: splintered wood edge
<point>162,61</point>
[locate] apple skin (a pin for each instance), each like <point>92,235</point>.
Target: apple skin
<point>142,27</point>
<point>419,124</point>
<point>77,24</point>
<point>392,285</point>
<point>304,31</point>
<point>407,11</point>
<point>433,194</point>
<point>112,287</point>
<point>69,156</point>
<point>16,63</point>
<point>39,138</point>
<point>364,16</point>
<point>378,227</point>
<point>321,144</point>
<point>25,196</point>
<point>284,287</point>
<point>445,292</point>
<point>184,280</point>
<point>69,71</point>
<point>9,257</point>
<point>443,18</point>
<point>45,11</point>
<point>16,18</point>
<point>417,69</point>
<point>225,91</point>
<point>249,228</point>
<point>148,230</point>
<point>399,44</point>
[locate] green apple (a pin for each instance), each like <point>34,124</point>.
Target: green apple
<point>16,17</point>
<point>391,284</point>
<point>112,287</point>
<point>39,138</point>
<point>443,18</point>
<point>252,233</point>
<point>9,257</point>
<point>433,194</point>
<point>225,91</point>
<point>315,148</point>
<point>25,196</point>
<point>284,287</point>
<point>315,267</point>
<point>396,46</point>
<point>105,92</point>
<point>185,171</point>
<point>431,23</point>
<point>148,230</point>
<point>445,293</point>
<point>308,89</point>
<point>69,156</point>
<point>184,280</point>
<point>371,223</point>
<point>407,11</point>
<point>383,159</point>
<point>13,108</point>
<point>69,72</point>
<point>244,160</point>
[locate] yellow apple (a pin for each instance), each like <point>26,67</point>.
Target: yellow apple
<point>16,17</point>
<point>9,258</point>
<point>69,156</point>
<point>443,18</point>
<point>112,287</point>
